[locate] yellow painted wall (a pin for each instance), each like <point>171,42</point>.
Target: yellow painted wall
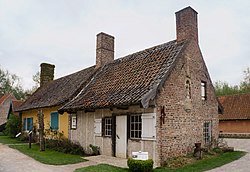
<point>63,119</point>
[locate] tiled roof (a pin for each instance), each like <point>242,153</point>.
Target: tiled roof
<point>58,91</point>
<point>133,79</point>
<point>235,107</point>
<point>16,104</point>
<point>3,97</point>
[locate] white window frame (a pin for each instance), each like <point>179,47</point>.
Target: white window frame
<point>108,127</point>
<point>207,132</point>
<point>137,124</point>
<point>73,121</point>
<point>203,90</point>
<point>149,126</point>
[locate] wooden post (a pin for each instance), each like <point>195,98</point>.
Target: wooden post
<point>30,138</point>
<point>41,130</point>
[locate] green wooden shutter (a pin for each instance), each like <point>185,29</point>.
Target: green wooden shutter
<point>54,120</point>
<point>24,124</point>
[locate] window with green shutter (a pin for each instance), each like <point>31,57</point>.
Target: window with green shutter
<point>54,118</point>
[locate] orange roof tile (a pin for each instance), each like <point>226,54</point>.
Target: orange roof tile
<point>235,106</point>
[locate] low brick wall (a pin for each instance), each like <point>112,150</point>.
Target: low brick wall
<point>234,135</point>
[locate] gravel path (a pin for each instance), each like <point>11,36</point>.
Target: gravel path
<point>12,160</point>
<point>240,165</point>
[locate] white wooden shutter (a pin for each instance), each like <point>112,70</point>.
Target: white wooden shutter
<point>98,127</point>
<point>149,126</point>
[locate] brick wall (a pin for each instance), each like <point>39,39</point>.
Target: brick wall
<point>104,49</point>
<point>185,117</point>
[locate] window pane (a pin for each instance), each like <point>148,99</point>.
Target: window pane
<point>135,126</point>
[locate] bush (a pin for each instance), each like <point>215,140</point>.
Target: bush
<point>140,165</point>
<point>65,146</point>
<point>13,125</point>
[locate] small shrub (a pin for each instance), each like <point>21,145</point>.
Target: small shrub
<point>140,165</point>
<point>180,161</point>
<point>65,146</point>
<point>95,149</point>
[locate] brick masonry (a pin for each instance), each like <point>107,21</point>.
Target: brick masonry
<point>184,126</point>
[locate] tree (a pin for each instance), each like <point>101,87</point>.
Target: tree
<point>13,125</point>
<point>223,88</point>
<point>245,84</point>
<point>10,83</point>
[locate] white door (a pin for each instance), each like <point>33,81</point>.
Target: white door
<point>121,136</point>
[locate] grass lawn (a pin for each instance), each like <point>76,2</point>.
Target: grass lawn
<point>8,140</point>
<point>102,168</point>
<point>48,156</point>
<point>198,166</point>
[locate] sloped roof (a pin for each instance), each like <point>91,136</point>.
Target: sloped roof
<point>3,98</point>
<point>235,107</point>
<point>133,79</point>
<point>16,104</point>
<point>58,91</point>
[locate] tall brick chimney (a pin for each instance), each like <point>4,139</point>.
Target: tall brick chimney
<point>46,74</point>
<point>186,25</point>
<point>104,49</point>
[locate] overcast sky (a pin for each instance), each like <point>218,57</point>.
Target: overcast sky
<point>63,33</point>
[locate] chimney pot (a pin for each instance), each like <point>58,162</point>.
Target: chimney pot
<point>186,25</point>
<point>46,74</point>
<point>104,49</point>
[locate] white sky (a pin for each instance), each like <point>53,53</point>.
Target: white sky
<point>63,32</point>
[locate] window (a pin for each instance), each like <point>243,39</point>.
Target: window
<point>73,121</point>
<point>108,126</point>
<point>207,132</point>
<point>27,124</point>
<point>203,91</point>
<point>135,126</point>
<point>54,120</point>
<point>188,89</point>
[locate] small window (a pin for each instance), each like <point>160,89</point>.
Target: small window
<point>135,126</point>
<point>27,124</point>
<point>207,132</point>
<point>108,126</point>
<point>188,89</point>
<point>73,121</point>
<point>54,120</point>
<point>203,91</point>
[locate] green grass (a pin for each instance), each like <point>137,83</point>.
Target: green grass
<point>9,140</point>
<point>206,164</point>
<point>198,166</point>
<point>102,168</point>
<point>48,156</point>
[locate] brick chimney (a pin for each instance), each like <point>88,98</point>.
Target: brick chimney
<point>104,49</point>
<point>46,74</point>
<point>186,25</point>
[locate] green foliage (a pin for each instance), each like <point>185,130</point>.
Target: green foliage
<point>13,125</point>
<point>65,146</point>
<point>140,165</point>
<point>223,88</point>
<point>9,140</point>
<point>10,83</point>
<point>95,149</point>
